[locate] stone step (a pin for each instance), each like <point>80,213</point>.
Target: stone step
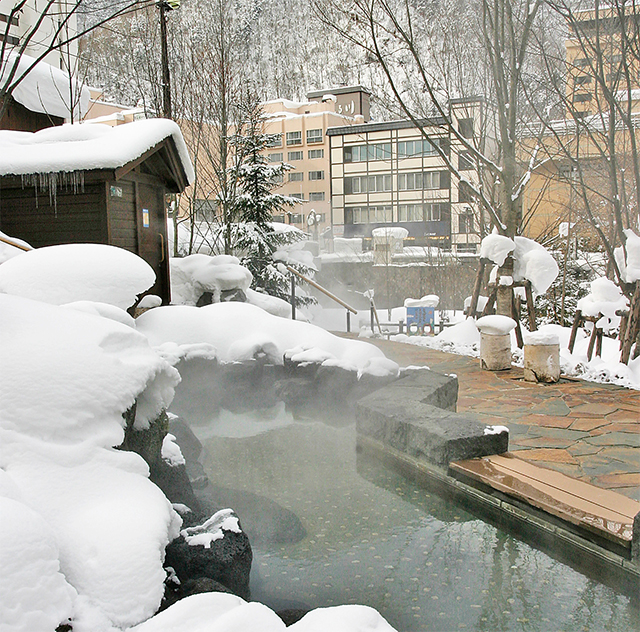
<point>600,511</point>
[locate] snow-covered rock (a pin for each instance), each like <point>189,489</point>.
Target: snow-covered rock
<point>238,331</point>
<point>77,272</point>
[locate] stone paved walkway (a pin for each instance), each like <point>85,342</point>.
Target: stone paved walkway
<point>585,430</point>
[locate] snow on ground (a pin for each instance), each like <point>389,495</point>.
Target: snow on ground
<point>238,331</point>
<point>77,272</point>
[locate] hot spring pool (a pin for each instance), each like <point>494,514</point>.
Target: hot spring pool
<point>374,538</point>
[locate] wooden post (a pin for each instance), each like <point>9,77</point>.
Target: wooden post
<point>491,301</point>
<point>473,307</point>
<point>293,297</point>
<point>515,316</point>
<point>592,340</point>
<point>531,307</point>
<point>633,324</point>
<point>574,330</point>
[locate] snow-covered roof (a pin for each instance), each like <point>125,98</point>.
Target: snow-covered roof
<point>45,89</point>
<point>79,147</point>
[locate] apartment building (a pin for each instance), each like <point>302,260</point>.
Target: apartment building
<point>390,174</point>
<point>302,142</point>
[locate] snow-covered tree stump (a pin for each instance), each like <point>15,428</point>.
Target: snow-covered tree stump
<point>541,358</point>
<point>495,342</point>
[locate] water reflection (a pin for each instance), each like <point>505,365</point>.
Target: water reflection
<point>375,538</point>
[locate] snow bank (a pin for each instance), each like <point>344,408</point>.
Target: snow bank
<point>629,267</point>
<point>84,147</point>
<point>431,300</point>
<point>67,378</point>
<point>239,331</point>
<point>605,298</point>
<point>222,612</point>
<point>495,325</point>
<point>351,246</point>
<point>496,248</point>
<point>45,89</point>
<point>77,272</point>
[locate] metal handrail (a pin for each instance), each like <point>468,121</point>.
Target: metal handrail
<point>323,290</point>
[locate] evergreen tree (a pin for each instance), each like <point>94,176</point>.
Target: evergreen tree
<point>255,239</point>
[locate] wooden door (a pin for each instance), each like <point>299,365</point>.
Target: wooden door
<point>152,235</point>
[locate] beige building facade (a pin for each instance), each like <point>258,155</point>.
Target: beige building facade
<point>302,142</point>
<point>390,174</point>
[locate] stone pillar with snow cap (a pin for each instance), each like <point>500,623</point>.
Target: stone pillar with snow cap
<point>495,342</point>
<point>541,357</point>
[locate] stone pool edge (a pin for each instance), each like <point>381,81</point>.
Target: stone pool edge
<point>411,425</point>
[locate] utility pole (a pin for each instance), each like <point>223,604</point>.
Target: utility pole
<point>164,6</point>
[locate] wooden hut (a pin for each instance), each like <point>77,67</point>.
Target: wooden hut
<point>95,184</point>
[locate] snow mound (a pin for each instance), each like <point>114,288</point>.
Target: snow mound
<point>221,612</point>
<point>539,338</point>
<point>11,247</point>
<point>77,272</point>
<point>46,89</point>
<point>605,298</point>
<point>195,274</point>
<point>67,379</point>
<point>239,331</point>
<point>495,325</point>
<point>35,594</point>
<point>431,300</point>
<point>534,263</point>
<point>271,304</point>
<point>496,248</point>
<point>384,232</point>
<point>629,267</point>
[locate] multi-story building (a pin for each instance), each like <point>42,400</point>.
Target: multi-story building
<point>390,174</point>
<point>302,142</point>
<point>47,32</point>
<point>585,161</point>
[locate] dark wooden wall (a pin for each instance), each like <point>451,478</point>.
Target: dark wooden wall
<point>69,218</point>
<point>19,118</point>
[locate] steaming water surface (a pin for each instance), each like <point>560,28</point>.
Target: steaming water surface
<point>374,538</point>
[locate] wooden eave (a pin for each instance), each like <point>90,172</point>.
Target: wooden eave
<point>162,161</point>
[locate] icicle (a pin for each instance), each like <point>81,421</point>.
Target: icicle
<point>50,181</point>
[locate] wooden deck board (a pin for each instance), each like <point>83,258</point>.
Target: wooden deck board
<point>598,510</point>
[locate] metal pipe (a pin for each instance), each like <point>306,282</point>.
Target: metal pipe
<point>319,287</point>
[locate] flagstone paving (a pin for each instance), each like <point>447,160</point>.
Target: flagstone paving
<point>585,430</point>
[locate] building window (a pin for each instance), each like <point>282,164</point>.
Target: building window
<point>420,180</point>
<point>274,140</point>
<point>205,210</point>
<point>314,136</point>
<point>465,223</point>
<point>294,138</point>
<point>316,153</point>
<point>278,178</point>
<point>14,20</point>
<point>581,97</point>
<point>11,40</point>
<point>276,157</point>
<point>296,177</point>
<point>430,212</point>
<point>465,161</point>
<point>413,148</point>
<point>367,214</point>
<point>582,79</point>
<point>292,156</point>
<point>295,218</point>
<point>362,153</point>
<point>364,184</point>
<point>465,192</point>
<point>580,62</point>
<point>316,175</point>
<point>465,127</point>
<point>316,196</point>
<point>297,196</point>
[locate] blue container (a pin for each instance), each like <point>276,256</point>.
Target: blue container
<point>421,317</point>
